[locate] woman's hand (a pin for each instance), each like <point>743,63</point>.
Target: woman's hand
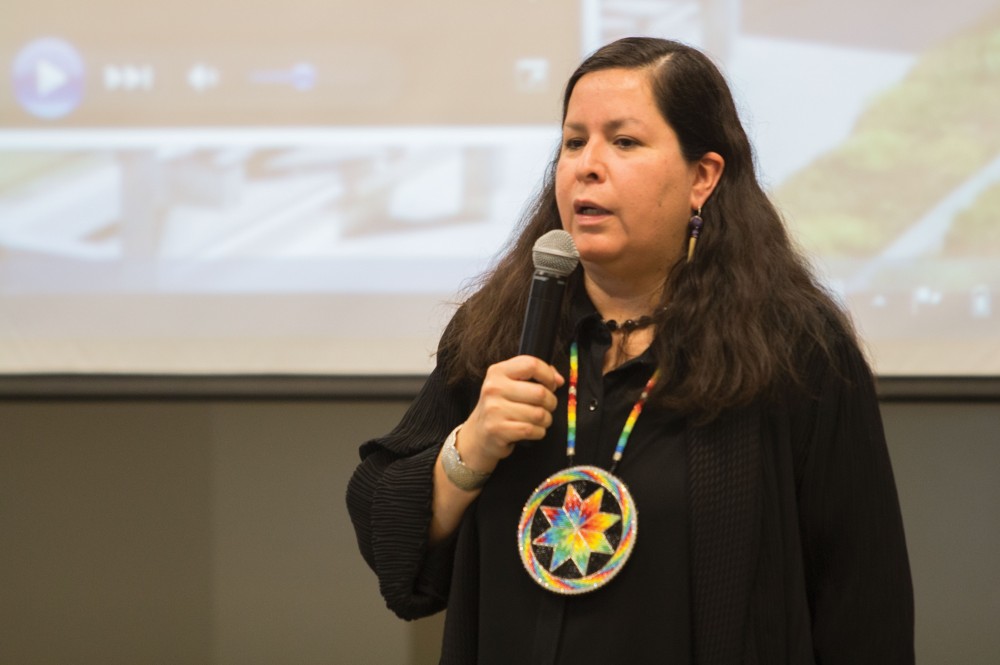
<point>515,404</point>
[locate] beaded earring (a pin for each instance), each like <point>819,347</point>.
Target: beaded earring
<point>694,230</point>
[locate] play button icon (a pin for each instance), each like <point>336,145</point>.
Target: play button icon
<point>48,78</point>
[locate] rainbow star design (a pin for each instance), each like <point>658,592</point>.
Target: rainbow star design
<point>577,529</point>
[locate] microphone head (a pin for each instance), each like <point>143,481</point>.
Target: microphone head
<point>555,252</point>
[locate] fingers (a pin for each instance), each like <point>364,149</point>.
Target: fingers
<point>529,368</point>
<point>515,404</point>
<point>514,421</point>
<point>517,391</point>
<point>524,379</point>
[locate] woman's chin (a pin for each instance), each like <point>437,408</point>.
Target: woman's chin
<point>597,257</point>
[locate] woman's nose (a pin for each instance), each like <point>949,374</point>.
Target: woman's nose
<point>591,165</point>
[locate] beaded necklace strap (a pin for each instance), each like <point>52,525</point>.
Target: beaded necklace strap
<point>574,378</point>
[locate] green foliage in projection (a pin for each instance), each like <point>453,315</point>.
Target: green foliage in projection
<point>976,230</point>
<point>914,144</point>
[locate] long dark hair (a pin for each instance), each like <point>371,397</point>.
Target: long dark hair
<point>735,320</point>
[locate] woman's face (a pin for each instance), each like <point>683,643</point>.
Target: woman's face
<point>624,191</point>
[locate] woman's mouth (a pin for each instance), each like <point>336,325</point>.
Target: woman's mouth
<point>589,209</point>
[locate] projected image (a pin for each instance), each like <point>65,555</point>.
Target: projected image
<point>203,220</point>
<point>169,192</point>
<point>904,209</point>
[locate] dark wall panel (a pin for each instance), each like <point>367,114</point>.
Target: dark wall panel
<point>214,531</point>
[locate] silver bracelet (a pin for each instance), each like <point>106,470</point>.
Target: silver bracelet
<point>462,476</point>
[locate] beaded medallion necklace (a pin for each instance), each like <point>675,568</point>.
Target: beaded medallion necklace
<point>579,526</point>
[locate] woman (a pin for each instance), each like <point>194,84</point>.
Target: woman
<point>730,419</point>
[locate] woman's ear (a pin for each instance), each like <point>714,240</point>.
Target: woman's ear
<point>707,172</point>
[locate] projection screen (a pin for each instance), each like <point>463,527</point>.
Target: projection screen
<point>306,187</point>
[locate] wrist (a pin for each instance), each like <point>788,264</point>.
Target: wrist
<point>455,468</point>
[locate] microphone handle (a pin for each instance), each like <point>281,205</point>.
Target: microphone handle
<point>541,320</point>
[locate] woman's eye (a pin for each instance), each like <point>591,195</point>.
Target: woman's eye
<point>573,144</point>
<point>625,142</point>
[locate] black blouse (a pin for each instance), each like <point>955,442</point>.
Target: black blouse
<point>795,547</point>
<point>640,616</point>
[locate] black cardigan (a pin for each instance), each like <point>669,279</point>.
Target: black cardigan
<point>797,547</point>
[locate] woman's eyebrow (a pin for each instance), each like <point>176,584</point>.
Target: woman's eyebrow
<point>611,125</point>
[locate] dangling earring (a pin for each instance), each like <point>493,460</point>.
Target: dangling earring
<point>694,230</point>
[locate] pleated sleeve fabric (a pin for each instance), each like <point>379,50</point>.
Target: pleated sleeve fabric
<point>389,501</point>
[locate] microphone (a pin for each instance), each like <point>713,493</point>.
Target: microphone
<point>555,257</point>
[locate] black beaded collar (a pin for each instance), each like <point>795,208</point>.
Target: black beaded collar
<point>628,325</point>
